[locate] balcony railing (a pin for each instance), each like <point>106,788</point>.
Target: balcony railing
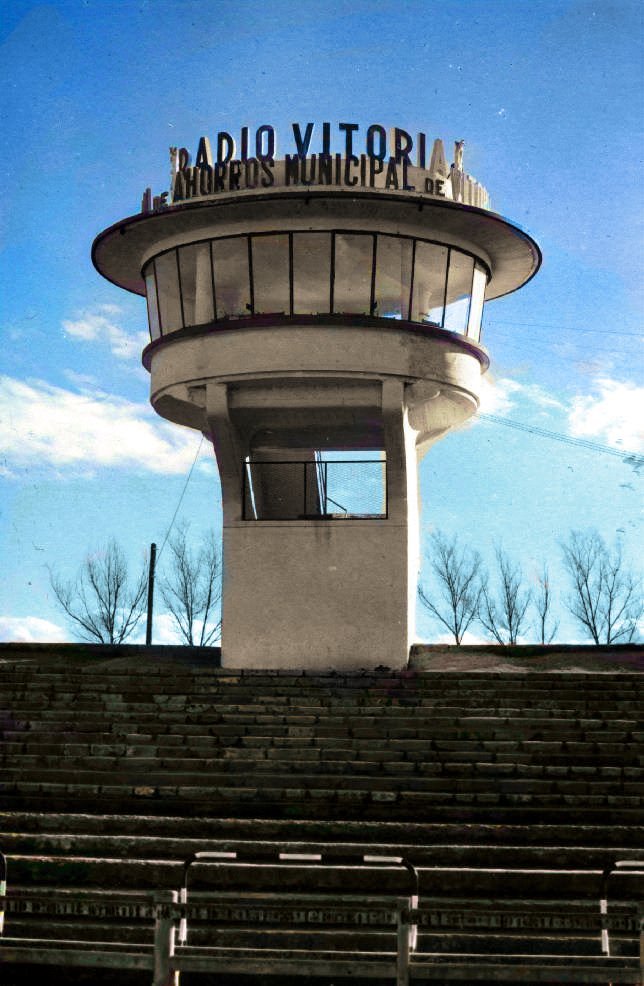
<point>314,489</point>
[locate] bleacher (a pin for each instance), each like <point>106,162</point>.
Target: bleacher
<point>516,796</point>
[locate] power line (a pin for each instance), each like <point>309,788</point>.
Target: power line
<point>557,436</point>
<point>633,457</point>
<point>558,325</point>
<point>183,491</point>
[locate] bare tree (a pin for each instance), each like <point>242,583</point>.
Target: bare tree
<point>547,626</point>
<point>606,597</point>
<point>504,616</point>
<point>191,590</point>
<point>100,603</point>
<point>456,573</point>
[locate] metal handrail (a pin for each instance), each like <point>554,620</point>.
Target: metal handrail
<point>319,478</point>
<point>253,854</point>
<point>623,865</point>
<point>3,888</point>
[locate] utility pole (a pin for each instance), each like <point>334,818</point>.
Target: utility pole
<point>153,558</point>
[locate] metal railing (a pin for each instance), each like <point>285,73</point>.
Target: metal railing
<point>619,866</point>
<point>314,489</point>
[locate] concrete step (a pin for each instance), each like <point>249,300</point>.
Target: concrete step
<point>321,805</point>
<point>363,940</point>
<point>437,854</point>
<point>567,833</point>
<point>456,776</point>
<point>297,757</point>
<point>471,728</point>
<point>311,761</point>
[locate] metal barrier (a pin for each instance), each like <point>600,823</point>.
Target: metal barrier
<point>406,936</point>
<point>3,888</point>
<point>169,953</point>
<point>624,866</point>
<point>314,489</point>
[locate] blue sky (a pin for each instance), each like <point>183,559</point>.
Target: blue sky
<point>547,96</point>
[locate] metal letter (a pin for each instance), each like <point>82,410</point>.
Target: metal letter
<point>225,140</point>
<point>376,129</point>
<point>348,129</point>
<point>302,144</point>
<point>260,154</point>
<point>326,138</point>
<point>401,144</point>
<point>204,154</point>
<point>420,151</point>
<point>438,164</point>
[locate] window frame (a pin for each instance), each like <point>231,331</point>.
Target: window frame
<point>150,266</point>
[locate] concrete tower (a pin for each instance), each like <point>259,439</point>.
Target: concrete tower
<point>318,318</point>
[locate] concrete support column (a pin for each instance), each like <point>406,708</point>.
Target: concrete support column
<point>315,593</point>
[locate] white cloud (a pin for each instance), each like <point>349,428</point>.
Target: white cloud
<point>496,395</point>
<point>82,381</point>
<point>42,425</point>
<point>469,638</point>
<point>502,396</point>
<point>164,631</point>
<point>614,414</point>
<point>30,629</point>
<point>98,325</point>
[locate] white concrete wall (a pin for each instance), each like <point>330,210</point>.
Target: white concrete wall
<point>318,595</point>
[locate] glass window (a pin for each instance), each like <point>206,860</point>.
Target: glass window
<point>168,284</point>
<point>271,292</point>
<point>459,288</point>
<point>232,285</point>
<point>196,283</point>
<point>354,487</point>
<point>476,308</point>
<point>430,270</point>
<point>153,306</point>
<point>393,277</point>
<point>316,486</point>
<point>311,273</point>
<point>352,282</point>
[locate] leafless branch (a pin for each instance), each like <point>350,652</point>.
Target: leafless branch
<point>455,603</point>
<point>504,615</point>
<point>191,589</point>
<point>606,597</point>
<point>547,626</point>
<point>100,603</point>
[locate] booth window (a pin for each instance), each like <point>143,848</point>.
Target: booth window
<point>153,303</point>
<point>232,277</point>
<point>393,277</point>
<point>430,273</point>
<point>167,274</point>
<point>322,486</point>
<point>311,273</point>
<point>459,288</point>
<point>316,273</point>
<point>479,284</point>
<point>270,261</point>
<point>195,268</point>
<point>353,256</point>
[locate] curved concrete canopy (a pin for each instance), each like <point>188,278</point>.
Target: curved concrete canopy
<point>513,257</point>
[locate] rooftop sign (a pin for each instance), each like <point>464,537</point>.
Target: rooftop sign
<point>371,158</point>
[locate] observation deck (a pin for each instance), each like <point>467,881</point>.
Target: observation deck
<point>299,323</point>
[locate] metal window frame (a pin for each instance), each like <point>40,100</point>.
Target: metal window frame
<point>375,234</point>
<point>247,496</point>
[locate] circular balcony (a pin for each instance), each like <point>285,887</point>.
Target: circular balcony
<point>316,273</point>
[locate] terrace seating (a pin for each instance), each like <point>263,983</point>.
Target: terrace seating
<point>511,793</point>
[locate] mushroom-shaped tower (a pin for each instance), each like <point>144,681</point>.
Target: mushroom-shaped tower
<point>319,319</point>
